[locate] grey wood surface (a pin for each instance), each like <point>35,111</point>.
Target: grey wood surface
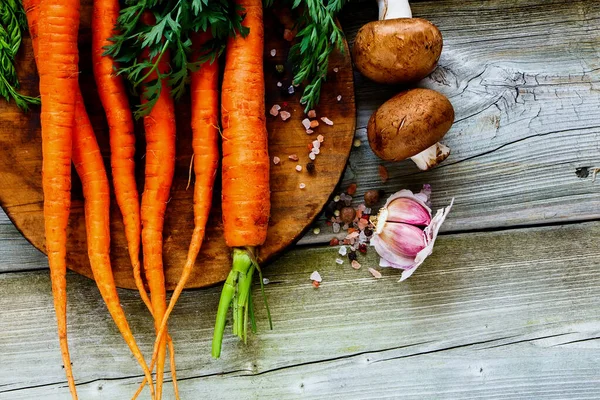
<point>506,310</point>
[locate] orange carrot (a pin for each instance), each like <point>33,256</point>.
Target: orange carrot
<point>57,35</point>
<point>122,138</point>
<point>159,125</point>
<point>90,168</point>
<point>245,176</point>
<point>205,134</point>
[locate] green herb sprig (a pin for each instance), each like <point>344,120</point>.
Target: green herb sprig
<point>318,38</point>
<point>176,22</point>
<point>12,25</point>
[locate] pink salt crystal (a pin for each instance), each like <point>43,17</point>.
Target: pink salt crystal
<point>312,156</point>
<point>339,98</point>
<point>293,157</point>
<point>361,207</point>
<point>362,224</point>
<point>315,276</point>
<point>273,52</point>
<point>316,150</point>
<point>275,110</point>
<point>306,123</point>
<point>336,69</point>
<point>327,121</point>
<point>276,160</point>
<point>383,173</point>
<point>302,186</point>
<point>288,35</point>
<point>314,124</point>
<point>320,138</point>
<point>312,114</point>
<point>352,235</point>
<point>355,264</point>
<point>279,84</point>
<point>285,115</point>
<point>346,241</point>
<point>376,274</point>
<point>309,131</point>
<point>298,167</point>
<point>316,144</point>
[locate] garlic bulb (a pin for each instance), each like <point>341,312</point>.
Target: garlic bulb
<point>406,230</point>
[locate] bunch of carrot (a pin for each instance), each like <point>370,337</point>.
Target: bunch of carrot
<point>67,136</point>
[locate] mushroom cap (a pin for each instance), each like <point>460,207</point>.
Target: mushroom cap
<point>409,123</point>
<point>395,51</point>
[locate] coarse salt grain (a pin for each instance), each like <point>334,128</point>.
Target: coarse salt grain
<point>356,143</point>
<point>355,264</point>
<point>362,223</point>
<point>320,138</point>
<point>298,167</point>
<point>339,98</point>
<point>293,157</point>
<point>312,114</point>
<point>291,89</point>
<point>376,274</point>
<point>316,144</point>
<point>339,261</point>
<point>312,156</point>
<point>302,186</point>
<point>314,124</point>
<point>336,227</point>
<point>316,150</point>
<point>343,251</point>
<point>285,115</point>
<point>288,35</point>
<point>367,210</point>
<point>279,84</point>
<point>306,123</point>
<point>309,131</point>
<point>383,173</point>
<point>327,121</point>
<point>336,69</point>
<point>352,235</point>
<point>276,160</point>
<point>336,198</point>
<point>315,276</point>
<point>273,52</point>
<point>275,110</point>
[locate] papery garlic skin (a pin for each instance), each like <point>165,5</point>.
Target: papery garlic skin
<point>398,239</point>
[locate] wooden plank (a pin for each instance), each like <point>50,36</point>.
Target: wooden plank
<point>523,78</point>
<point>489,314</point>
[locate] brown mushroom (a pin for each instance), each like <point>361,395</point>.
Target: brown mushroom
<point>397,49</point>
<point>409,125</point>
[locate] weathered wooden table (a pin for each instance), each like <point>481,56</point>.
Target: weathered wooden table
<point>507,306</point>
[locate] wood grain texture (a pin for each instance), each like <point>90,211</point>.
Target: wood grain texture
<point>524,79</point>
<point>509,314</point>
<point>20,168</point>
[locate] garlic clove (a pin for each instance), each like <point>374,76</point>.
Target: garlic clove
<point>408,211</point>
<point>388,257</point>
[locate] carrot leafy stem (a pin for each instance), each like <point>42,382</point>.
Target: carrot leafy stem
<point>319,36</point>
<point>176,22</point>
<point>12,25</point>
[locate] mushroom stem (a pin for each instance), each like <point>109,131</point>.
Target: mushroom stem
<point>431,156</point>
<point>392,9</point>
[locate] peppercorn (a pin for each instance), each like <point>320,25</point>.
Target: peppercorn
<point>371,198</point>
<point>362,248</point>
<point>368,232</point>
<point>334,242</point>
<point>347,215</point>
<point>352,256</point>
<point>310,167</point>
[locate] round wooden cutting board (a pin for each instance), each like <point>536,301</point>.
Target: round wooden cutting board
<point>293,209</point>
